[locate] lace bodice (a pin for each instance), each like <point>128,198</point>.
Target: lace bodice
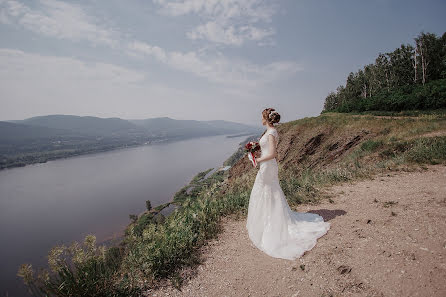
<point>264,146</point>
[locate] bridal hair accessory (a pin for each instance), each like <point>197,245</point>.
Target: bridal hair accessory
<point>272,113</point>
<point>252,147</point>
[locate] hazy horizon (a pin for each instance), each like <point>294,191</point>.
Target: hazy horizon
<point>128,119</point>
<point>194,59</point>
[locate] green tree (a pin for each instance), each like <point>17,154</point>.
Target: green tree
<point>148,205</point>
<point>331,102</point>
<point>389,82</point>
<point>431,52</point>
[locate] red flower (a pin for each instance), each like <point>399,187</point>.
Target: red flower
<point>252,146</point>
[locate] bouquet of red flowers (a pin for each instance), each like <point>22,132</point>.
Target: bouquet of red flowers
<point>250,148</point>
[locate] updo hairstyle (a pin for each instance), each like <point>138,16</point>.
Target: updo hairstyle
<point>271,115</point>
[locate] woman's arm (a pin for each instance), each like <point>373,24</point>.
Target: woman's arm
<point>271,148</point>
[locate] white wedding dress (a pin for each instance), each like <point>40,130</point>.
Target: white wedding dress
<point>272,226</point>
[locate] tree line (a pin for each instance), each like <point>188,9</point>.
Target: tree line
<point>410,77</point>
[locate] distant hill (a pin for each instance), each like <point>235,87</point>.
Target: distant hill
<point>172,128</point>
<point>43,138</point>
<point>86,125</point>
<point>14,132</point>
<point>155,127</point>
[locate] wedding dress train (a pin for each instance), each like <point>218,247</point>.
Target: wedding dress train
<point>272,225</point>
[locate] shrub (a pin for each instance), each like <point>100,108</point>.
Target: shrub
<point>79,270</point>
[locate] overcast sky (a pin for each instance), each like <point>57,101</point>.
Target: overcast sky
<point>194,59</point>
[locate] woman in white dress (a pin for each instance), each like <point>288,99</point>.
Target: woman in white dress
<point>272,226</point>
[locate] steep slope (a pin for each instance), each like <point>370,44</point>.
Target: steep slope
<point>321,143</point>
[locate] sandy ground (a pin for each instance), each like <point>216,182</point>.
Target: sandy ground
<point>387,238</point>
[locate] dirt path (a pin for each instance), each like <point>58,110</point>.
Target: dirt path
<point>387,238</point>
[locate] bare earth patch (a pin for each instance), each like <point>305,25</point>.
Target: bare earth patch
<point>434,134</point>
<point>387,238</point>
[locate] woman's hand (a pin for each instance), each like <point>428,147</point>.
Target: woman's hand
<point>257,157</point>
<point>257,154</point>
<point>258,160</point>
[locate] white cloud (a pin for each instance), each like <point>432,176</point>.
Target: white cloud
<point>68,21</point>
<point>34,84</point>
<point>147,49</point>
<point>255,10</point>
<point>218,68</point>
<point>56,19</point>
<point>229,22</point>
<point>20,66</point>
<point>229,34</point>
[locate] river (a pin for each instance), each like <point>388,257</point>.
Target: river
<point>46,204</point>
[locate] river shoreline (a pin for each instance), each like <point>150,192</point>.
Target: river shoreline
<point>116,238</point>
<point>51,155</point>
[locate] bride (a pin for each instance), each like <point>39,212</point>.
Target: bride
<point>272,226</point>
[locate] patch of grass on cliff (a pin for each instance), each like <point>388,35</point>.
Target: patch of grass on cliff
<point>414,112</point>
<point>200,175</point>
<point>427,150</point>
<point>80,270</point>
<point>163,249</point>
<point>194,188</point>
<point>371,145</point>
<point>303,186</point>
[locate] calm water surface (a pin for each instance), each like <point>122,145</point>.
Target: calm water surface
<point>42,205</point>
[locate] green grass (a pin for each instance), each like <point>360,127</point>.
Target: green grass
<point>371,145</point>
<point>430,150</point>
<point>414,113</point>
